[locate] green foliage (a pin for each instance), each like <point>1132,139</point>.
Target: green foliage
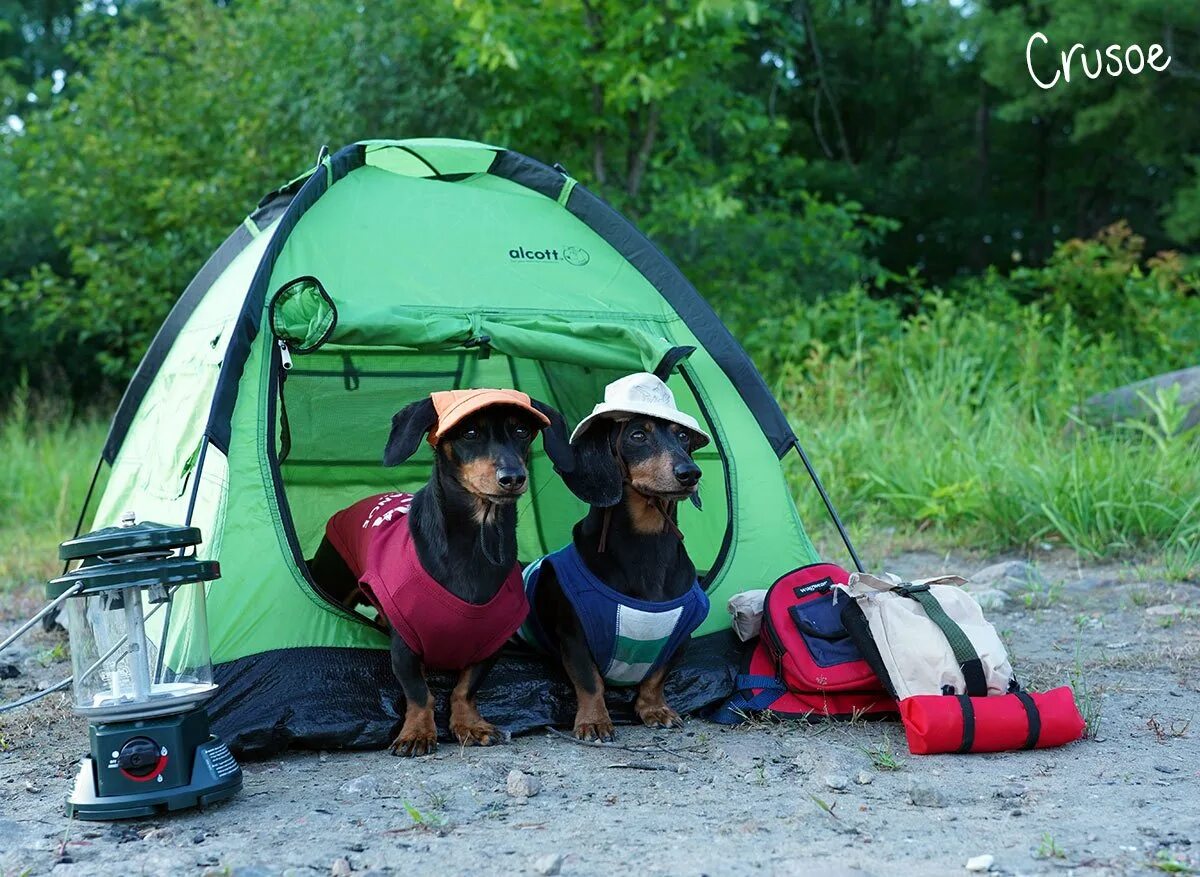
<point>47,455</point>
<point>176,124</point>
<point>960,419</point>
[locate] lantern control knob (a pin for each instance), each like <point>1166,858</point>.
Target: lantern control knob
<point>139,756</point>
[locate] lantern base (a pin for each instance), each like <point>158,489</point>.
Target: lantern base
<point>144,768</point>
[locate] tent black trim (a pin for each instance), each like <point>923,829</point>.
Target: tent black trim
<point>530,173</point>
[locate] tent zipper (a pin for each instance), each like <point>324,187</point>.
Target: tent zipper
<point>275,398</point>
<point>285,355</point>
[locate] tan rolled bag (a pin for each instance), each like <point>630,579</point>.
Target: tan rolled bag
<point>944,662</point>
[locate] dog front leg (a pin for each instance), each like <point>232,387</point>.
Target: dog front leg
<point>651,704</point>
<point>466,723</point>
<point>418,734</point>
<point>592,721</point>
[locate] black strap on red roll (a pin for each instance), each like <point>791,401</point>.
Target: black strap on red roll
<point>1035,719</point>
<point>968,734</point>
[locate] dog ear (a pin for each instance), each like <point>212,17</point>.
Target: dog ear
<point>596,478</point>
<point>555,440</point>
<point>409,426</point>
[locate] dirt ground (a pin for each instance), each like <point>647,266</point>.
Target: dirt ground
<point>774,798</point>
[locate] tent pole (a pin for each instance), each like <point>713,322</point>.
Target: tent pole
<point>837,521</point>
<point>87,500</point>
<point>187,521</point>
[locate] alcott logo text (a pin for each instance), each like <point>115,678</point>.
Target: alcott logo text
<point>570,255</point>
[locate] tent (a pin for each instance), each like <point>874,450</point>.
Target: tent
<point>391,269</point>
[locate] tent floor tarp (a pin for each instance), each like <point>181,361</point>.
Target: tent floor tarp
<point>338,698</point>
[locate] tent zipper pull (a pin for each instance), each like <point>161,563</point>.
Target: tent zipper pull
<point>285,355</point>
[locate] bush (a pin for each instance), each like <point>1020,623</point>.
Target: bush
<point>958,419</point>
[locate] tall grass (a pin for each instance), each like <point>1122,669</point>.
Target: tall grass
<point>47,456</point>
<point>961,426</point>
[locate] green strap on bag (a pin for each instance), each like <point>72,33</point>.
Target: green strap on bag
<point>964,652</point>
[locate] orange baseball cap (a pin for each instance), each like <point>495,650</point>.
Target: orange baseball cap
<point>454,405</point>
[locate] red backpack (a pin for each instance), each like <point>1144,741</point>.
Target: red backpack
<point>805,663</point>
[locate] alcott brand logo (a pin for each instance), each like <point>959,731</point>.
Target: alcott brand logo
<point>570,255</point>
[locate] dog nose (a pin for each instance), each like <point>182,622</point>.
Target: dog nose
<point>687,474</point>
<point>511,480</point>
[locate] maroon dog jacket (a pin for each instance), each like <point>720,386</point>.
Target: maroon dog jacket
<point>447,633</point>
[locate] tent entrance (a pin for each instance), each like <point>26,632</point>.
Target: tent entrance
<point>332,415</point>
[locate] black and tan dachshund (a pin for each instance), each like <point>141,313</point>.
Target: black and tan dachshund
<point>463,524</point>
<point>632,473</point>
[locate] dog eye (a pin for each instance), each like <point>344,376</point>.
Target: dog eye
<point>684,438</point>
<point>521,431</point>
<point>471,434</point>
<point>637,435</point>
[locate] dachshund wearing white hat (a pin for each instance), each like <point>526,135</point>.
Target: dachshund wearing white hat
<point>620,602</point>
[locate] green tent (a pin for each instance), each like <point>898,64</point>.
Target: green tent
<point>392,269</point>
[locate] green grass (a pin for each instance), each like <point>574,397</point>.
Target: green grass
<point>47,456</point>
<point>960,428</point>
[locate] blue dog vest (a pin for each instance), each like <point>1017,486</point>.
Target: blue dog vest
<point>629,638</point>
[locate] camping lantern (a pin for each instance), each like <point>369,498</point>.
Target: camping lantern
<point>142,671</point>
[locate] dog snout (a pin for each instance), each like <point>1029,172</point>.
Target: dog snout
<point>687,474</point>
<point>511,479</point>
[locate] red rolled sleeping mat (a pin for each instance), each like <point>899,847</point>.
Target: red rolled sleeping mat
<point>956,723</point>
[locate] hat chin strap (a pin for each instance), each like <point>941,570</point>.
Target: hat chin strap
<point>665,507</point>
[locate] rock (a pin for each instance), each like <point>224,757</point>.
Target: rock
<point>522,785</point>
<point>9,671</point>
<point>365,786</point>
<point>981,863</point>
<point>864,778</point>
<point>549,864</point>
<point>681,768</point>
<point>198,837</point>
<point>989,599</point>
<point>340,868</point>
<point>836,781</point>
<point>923,795</point>
<point>162,833</point>
<point>1129,402</point>
<point>1167,610</point>
<point>1007,576</point>
<point>251,871</point>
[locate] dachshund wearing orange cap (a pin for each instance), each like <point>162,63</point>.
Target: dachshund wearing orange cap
<point>440,565</point>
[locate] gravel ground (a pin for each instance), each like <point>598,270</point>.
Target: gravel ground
<point>775,798</point>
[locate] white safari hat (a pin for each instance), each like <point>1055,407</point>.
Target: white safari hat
<point>641,393</point>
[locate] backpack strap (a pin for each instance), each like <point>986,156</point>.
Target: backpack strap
<point>734,710</point>
<point>960,643</point>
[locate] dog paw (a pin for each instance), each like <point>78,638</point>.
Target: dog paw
<point>660,717</point>
<point>475,733</point>
<point>413,743</point>
<point>601,730</point>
